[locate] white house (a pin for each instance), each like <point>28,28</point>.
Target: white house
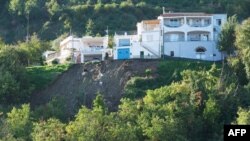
<point>48,54</point>
<point>192,35</point>
<point>84,49</point>
<point>184,35</point>
<point>145,44</point>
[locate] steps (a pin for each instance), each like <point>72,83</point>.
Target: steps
<point>150,50</point>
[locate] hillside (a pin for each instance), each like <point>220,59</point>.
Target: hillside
<point>81,83</point>
<point>119,100</point>
<point>113,79</point>
<point>52,18</point>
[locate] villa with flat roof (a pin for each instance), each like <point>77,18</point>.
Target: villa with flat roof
<point>183,35</point>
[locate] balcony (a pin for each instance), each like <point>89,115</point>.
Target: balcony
<point>199,22</point>
<point>124,42</point>
<point>176,22</point>
<point>93,50</point>
<point>198,36</point>
<point>174,36</point>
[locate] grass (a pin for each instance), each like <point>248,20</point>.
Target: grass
<point>42,76</point>
<point>168,71</point>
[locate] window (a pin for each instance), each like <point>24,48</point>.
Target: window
<point>200,50</point>
<point>172,53</point>
<point>173,20</point>
<point>124,42</point>
<point>215,30</point>
<point>174,37</point>
<point>207,21</point>
<point>141,54</point>
<point>218,22</point>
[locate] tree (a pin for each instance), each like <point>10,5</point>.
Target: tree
<point>23,7</point>
<point>89,2</point>
<point>53,7</point>
<point>90,28</point>
<point>99,104</point>
<point>19,123</point>
<point>99,1</point>
<point>52,130</point>
<point>14,84</point>
<point>227,36</point>
<point>88,126</point>
<point>243,116</point>
<point>164,111</point>
<point>9,87</point>
<point>33,50</point>
<point>243,44</point>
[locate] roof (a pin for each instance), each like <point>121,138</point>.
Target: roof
<point>92,39</point>
<point>184,14</point>
<point>151,21</point>
<point>69,38</point>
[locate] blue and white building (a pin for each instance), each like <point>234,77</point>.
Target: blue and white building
<point>192,35</point>
<point>183,35</point>
<point>144,44</point>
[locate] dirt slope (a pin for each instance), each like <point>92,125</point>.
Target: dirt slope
<point>80,84</point>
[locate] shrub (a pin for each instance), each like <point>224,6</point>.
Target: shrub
<point>55,62</point>
<point>148,72</point>
<point>68,59</point>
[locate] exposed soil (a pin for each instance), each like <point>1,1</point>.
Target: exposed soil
<point>80,84</point>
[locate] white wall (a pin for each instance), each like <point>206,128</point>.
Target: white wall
<point>223,18</point>
<point>152,39</point>
<point>188,50</point>
<point>132,38</point>
<point>137,48</point>
<point>76,44</point>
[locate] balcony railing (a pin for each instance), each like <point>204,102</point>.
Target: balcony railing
<point>53,55</point>
<point>170,24</point>
<point>198,39</point>
<point>200,22</point>
<point>168,39</point>
<point>145,57</point>
<point>174,37</point>
<point>120,33</point>
<point>199,25</point>
<point>92,51</point>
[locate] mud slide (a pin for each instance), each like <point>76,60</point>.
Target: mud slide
<point>80,84</point>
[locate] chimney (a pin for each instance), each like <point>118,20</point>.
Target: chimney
<point>163,10</point>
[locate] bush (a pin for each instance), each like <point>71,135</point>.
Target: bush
<point>55,62</point>
<point>148,72</point>
<point>68,59</point>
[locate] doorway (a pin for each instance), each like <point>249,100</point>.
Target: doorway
<point>141,54</point>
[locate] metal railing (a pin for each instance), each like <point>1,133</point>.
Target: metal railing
<point>173,24</point>
<point>126,33</point>
<point>149,49</point>
<point>145,57</point>
<point>53,56</point>
<point>199,24</point>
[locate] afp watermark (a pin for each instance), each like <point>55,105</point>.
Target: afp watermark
<point>236,132</point>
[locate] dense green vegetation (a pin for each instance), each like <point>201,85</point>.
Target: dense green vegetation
<point>41,76</point>
<point>178,111</point>
<point>52,18</point>
<point>15,83</point>
<point>169,71</point>
<point>183,100</point>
